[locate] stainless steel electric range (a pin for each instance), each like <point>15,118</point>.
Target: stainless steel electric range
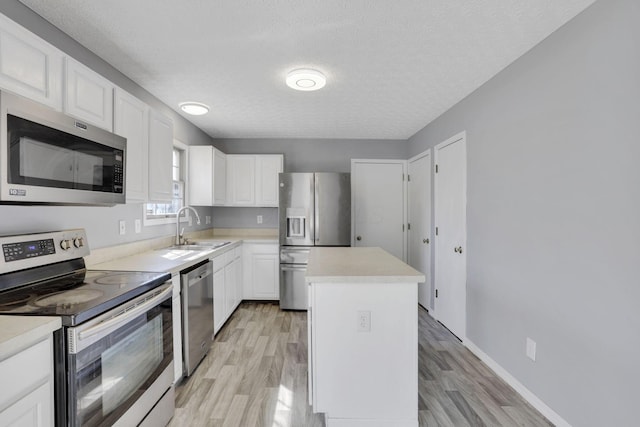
<point>114,354</point>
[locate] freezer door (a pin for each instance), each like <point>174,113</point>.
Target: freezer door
<point>294,255</point>
<point>332,209</point>
<point>293,289</point>
<point>295,213</point>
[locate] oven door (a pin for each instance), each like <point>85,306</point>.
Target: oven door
<point>121,363</point>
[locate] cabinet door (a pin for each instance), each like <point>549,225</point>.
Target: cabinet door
<point>131,120</point>
<point>229,288</point>
<point>207,176</point>
<point>88,96</point>
<point>177,337</point>
<point>160,157</point>
<point>267,169</point>
<point>29,66</point>
<point>241,180</point>
<point>265,272</point>
<point>237,266</point>
<point>33,410</point>
<point>219,314</point>
<point>201,179</point>
<point>219,177</point>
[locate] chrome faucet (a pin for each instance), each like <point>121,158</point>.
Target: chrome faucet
<point>178,235</point>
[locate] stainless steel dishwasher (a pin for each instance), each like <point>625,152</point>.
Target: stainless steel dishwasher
<point>197,313</point>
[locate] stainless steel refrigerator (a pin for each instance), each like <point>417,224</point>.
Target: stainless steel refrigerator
<point>315,210</point>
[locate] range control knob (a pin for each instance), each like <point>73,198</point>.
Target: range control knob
<point>65,244</point>
<point>78,242</point>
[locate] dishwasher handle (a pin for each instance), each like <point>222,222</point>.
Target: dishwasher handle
<point>196,273</point>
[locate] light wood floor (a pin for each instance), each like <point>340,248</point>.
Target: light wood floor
<point>255,375</point>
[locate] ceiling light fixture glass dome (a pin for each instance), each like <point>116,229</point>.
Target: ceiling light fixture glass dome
<point>194,108</point>
<point>306,79</point>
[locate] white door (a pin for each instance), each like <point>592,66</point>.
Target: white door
<point>160,158</point>
<point>378,205</point>
<point>131,120</point>
<point>88,95</point>
<point>419,233</point>
<point>29,66</point>
<point>450,185</point>
<point>267,169</point>
<point>241,172</point>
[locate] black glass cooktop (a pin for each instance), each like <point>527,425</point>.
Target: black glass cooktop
<point>77,299</point>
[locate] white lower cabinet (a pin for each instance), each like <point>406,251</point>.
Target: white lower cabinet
<point>218,300</point>
<point>261,279</point>
<point>28,401</point>
<point>227,285</point>
<point>176,317</point>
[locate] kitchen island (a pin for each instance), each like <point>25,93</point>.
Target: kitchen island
<point>363,337</point>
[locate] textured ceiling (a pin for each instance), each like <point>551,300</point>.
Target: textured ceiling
<point>392,65</point>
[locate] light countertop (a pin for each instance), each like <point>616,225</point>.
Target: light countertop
<point>175,260</point>
<point>19,332</point>
<point>164,260</point>
<point>358,265</point>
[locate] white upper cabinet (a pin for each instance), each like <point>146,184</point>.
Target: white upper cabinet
<point>29,66</point>
<point>267,169</point>
<point>219,178</point>
<point>160,157</point>
<point>88,96</point>
<point>252,180</point>
<point>241,173</point>
<point>207,176</point>
<point>131,120</point>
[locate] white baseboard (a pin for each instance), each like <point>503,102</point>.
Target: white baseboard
<point>533,400</point>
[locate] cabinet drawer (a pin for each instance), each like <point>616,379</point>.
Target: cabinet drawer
<point>219,262</point>
<point>26,370</point>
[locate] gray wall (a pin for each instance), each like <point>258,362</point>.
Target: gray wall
<point>553,215</point>
<point>301,155</point>
<point>101,222</point>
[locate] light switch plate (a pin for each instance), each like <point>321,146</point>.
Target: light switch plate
<point>531,349</point>
<point>122,226</point>
<point>138,226</point>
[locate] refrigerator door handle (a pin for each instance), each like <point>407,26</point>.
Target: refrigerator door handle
<point>285,268</point>
<point>316,210</point>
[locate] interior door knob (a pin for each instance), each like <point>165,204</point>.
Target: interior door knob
<point>426,241</point>
<point>358,238</point>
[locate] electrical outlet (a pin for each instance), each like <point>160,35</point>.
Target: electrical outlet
<point>207,219</point>
<point>123,228</point>
<point>138,226</point>
<point>259,219</point>
<point>531,349</point>
<point>364,321</point>
<point>190,221</point>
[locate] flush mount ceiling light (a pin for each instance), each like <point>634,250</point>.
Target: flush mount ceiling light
<point>306,79</point>
<point>194,108</point>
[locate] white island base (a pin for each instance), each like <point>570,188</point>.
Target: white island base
<point>363,337</point>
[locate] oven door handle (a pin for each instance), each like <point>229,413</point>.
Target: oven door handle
<point>126,315</point>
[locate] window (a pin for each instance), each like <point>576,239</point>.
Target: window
<point>164,213</point>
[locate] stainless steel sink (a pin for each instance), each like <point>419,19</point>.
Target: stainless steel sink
<point>212,244</point>
<point>188,248</point>
<point>198,246</point>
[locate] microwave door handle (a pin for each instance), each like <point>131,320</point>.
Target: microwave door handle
<point>127,315</point>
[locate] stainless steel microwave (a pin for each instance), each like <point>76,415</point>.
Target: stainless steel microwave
<point>49,157</point>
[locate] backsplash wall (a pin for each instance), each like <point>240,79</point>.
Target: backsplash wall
<point>101,223</point>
